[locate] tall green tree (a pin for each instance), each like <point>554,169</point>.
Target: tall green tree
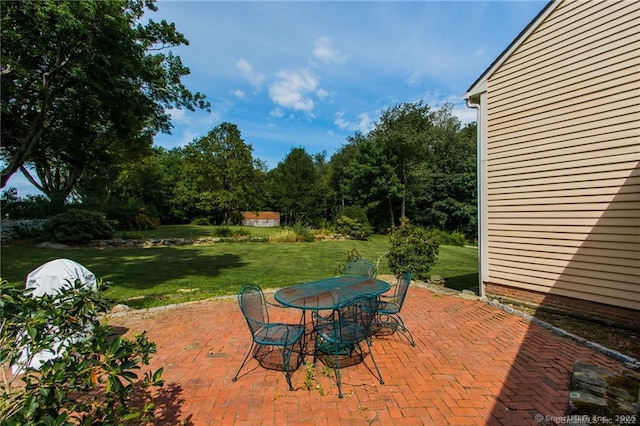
<point>296,188</point>
<point>391,159</point>
<point>84,84</point>
<point>220,175</point>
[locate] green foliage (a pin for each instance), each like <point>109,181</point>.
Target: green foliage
<point>85,86</point>
<point>412,248</point>
<point>304,233</point>
<point>449,238</point>
<point>201,221</point>
<point>94,381</point>
<point>78,226</point>
<point>356,213</point>
<point>353,228</point>
<point>296,188</point>
<point>349,256</point>
<point>297,234</point>
<point>131,215</point>
<point>219,176</point>
<point>29,207</point>
<point>228,232</point>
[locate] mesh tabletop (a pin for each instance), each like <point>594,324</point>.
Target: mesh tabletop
<point>329,292</point>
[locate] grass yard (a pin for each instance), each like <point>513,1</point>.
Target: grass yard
<point>145,277</point>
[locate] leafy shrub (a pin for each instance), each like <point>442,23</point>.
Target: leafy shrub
<point>355,213</point>
<point>29,207</point>
<point>92,382</point>
<point>349,256</point>
<point>21,228</point>
<point>412,248</point>
<point>78,226</point>
<point>132,215</point>
<point>450,238</point>
<point>353,228</point>
<point>303,233</point>
<point>297,234</point>
<point>222,231</point>
<point>201,221</point>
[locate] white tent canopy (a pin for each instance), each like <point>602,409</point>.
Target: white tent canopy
<point>50,279</point>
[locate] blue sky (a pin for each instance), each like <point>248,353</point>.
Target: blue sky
<point>310,74</point>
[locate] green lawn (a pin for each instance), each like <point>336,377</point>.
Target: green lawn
<point>159,276</point>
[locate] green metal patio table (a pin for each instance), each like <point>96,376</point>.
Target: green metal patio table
<point>327,294</point>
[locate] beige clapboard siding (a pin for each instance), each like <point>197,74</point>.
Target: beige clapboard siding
<point>626,258</point>
<point>621,157</point>
<point>563,156</point>
<point>557,38</point>
<point>559,64</point>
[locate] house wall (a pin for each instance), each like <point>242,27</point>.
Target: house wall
<point>563,158</point>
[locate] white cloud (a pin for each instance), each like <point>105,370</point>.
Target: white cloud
<point>324,51</point>
<point>255,78</point>
<point>238,93</point>
<point>178,115</point>
<point>277,112</point>
<point>322,94</point>
<point>293,90</point>
<point>363,123</point>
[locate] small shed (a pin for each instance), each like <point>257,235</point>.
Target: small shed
<point>261,219</point>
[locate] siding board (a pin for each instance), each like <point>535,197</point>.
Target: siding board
<point>563,156</point>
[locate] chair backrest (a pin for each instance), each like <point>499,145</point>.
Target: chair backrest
<point>253,306</point>
<point>354,318</point>
<point>402,286</point>
<point>360,267</point>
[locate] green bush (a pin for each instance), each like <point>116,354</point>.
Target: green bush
<point>412,248</point>
<point>78,226</point>
<point>201,221</point>
<point>297,234</point>
<point>349,256</point>
<point>356,213</point>
<point>93,382</point>
<point>303,233</point>
<point>450,238</point>
<point>353,228</point>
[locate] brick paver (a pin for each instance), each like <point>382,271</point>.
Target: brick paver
<point>473,365</point>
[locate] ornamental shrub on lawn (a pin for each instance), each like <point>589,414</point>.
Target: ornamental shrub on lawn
<point>78,226</point>
<point>412,248</point>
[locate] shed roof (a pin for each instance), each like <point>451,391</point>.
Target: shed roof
<point>260,215</point>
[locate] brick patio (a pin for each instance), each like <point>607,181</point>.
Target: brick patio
<point>473,365</point>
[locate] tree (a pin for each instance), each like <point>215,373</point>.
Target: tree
<point>221,177</point>
<point>84,83</point>
<point>296,187</point>
<point>390,159</point>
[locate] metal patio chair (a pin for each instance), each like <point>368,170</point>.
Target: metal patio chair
<point>266,334</point>
<point>390,306</point>
<point>341,333</point>
<point>360,267</point>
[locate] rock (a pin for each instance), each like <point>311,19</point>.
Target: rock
<point>586,403</point>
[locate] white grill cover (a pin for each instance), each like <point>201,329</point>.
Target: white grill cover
<point>51,277</point>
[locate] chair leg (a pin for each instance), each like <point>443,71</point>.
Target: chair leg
<point>384,320</point>
<point>405,331</point>
<point>336,367</point>
<point>374,362</point>
<point>286,359</point>
<point>235,378</point>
